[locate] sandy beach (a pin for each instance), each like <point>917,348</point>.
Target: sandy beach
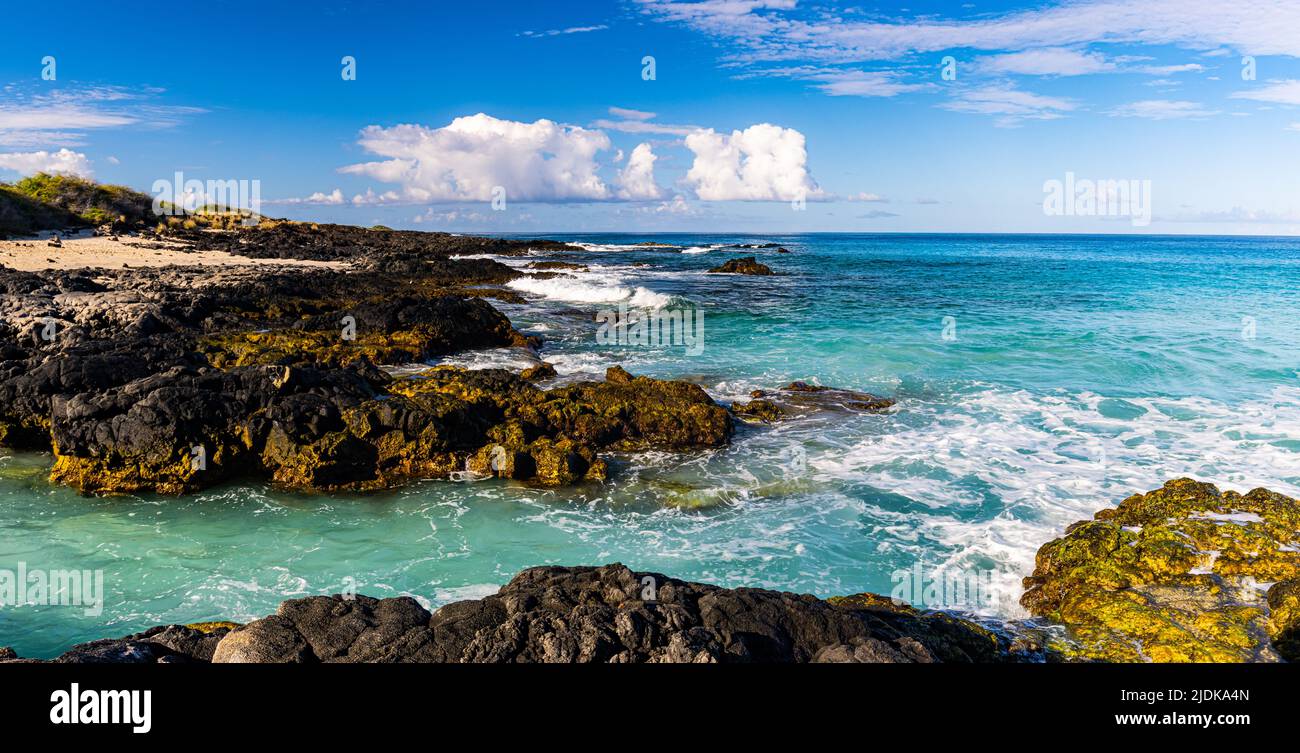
<point>89,251</point>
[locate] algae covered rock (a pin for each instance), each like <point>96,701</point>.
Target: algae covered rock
<point>801,398</point>
<point>391,331</point>
<point>764,411</point>
<point>1185,573</point>
<point>539,372</point>
<point>311,428</point>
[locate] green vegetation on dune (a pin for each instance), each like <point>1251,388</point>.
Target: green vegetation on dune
<point>55,202</point>
<point>20,214</point>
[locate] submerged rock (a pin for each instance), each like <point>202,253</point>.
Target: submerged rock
<point>764,411</point>
<point>1180,574</point>
<point>744,266</point>
<point>553,264</point>
<point>606,614</point>
<point>799,398</point>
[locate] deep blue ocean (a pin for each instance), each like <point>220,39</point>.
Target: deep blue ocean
<point>1038,379</point>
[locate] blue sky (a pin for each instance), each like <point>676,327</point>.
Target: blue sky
<point>761,116</point>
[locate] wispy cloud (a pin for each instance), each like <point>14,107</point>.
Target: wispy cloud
<point>1238,215</point>
<point>817,43</point>
<point>844,82</point>
<point>1048,61</point>
<point>560,32</point>
<point>62,117</point>
<point>1010,104</point>
<point>772,29</point>
<point>1167,70</point>
<point>638,121</point>
<point>1285,92</point>
<point>1162,109</point>
<point>627,114</point>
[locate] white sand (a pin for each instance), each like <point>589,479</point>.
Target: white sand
<point>31,255</point>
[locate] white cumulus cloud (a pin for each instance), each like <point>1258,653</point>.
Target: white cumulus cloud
<point>467,159</point>
<point>64,161</point>
<point>637,180</point>
<point>764,162</point>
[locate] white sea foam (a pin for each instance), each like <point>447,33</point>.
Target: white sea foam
<point>447,595</point>
<point>1049,461</point>
<point>618,247</point>
<point>512,359</point>
<point>573,290</point>
<point>583,364</point>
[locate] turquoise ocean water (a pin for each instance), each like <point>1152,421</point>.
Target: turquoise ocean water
<point>1038,379</point>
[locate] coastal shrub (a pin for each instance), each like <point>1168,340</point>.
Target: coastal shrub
<point>55,202</point>
<point>94,203</point>
<point>21,214</point>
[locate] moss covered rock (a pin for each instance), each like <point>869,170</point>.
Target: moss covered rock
<point>1185,573</point>
<point>355,429</point>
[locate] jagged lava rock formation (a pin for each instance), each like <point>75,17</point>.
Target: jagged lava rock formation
<point>170,380</point>
<point>578,614</point>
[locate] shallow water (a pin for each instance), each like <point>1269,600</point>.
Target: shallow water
<point>1073,371</point>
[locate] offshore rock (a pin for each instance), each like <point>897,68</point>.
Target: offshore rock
<point>801,398</point>
<point>748,265</point>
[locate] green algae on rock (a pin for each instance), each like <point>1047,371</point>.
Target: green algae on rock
<point>763,411</point>
<point>1180,574</point>
<point>344,429</point>
<point>801,398</point>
